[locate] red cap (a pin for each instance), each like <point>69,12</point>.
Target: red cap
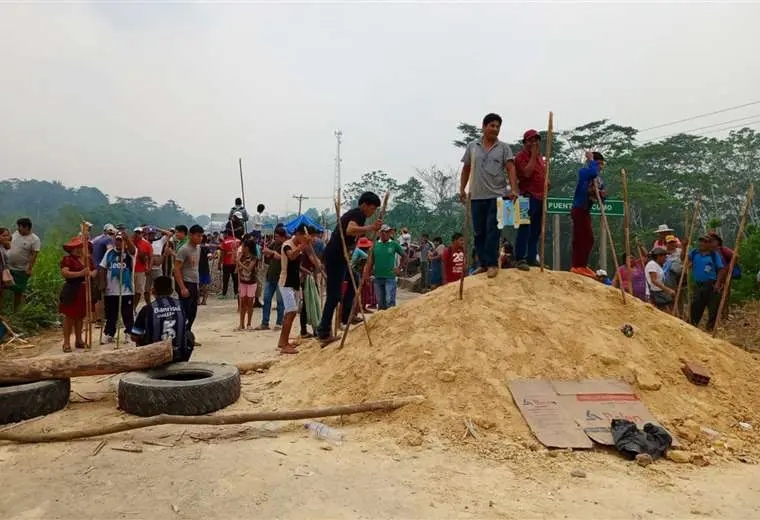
<point>74,243</point>
<point>530,134</point>
<point>364,242</point>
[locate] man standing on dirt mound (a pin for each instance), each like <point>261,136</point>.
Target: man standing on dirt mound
<point>353,225</point>
<point>584,198</point>
<point>493,165</point>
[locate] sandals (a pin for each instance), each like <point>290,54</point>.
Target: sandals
<point>323,342</point>
<point>67,348</point>
<point>288,350</point>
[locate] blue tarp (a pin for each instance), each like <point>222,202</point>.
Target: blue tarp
<point>293,224</point>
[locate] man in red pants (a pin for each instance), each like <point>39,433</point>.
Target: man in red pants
<point>584,198</point>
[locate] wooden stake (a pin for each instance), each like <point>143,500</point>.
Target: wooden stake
<point>627,224</point>
<point>357,294</point>
<point>237,418</point>
<point>87,284</point>
<point>732,264</point>
<point>685,266</point>
<point>609,233</point>
<point>549,137</point>
<point>466,235</point>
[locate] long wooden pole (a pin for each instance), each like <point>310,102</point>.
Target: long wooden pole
<point>242,190</point>
<point>466,236</point>
<point>88,285</point>
<point>357,294</point>
<point>545,202</point>
<point>685,267</point>
<point>237,418</point>
<point>609,233</point>
<point>732,264</point>
<point>627,224</point>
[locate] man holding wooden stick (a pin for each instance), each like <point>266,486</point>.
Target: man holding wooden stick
<point>708,272</point>
<point>583,199</point>
<point>353,226</point>
<point>493,165</point>
<point>531,176</point>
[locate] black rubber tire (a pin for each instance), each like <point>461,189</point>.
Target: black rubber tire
<point>149,392</point>
<point>28,400</point>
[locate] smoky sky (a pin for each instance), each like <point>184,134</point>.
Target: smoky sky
<point>161,99</point>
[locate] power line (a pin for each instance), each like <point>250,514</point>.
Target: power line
<point>700,116</point>
<point>702,128</point>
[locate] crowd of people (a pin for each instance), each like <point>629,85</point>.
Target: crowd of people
<point>170,271</point>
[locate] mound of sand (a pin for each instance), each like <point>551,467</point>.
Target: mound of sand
<point>526,325</point>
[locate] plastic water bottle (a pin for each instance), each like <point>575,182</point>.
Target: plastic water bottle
<point>322,431</point>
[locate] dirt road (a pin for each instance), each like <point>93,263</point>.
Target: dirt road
<point>276,470</point>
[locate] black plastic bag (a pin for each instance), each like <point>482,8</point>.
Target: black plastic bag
<point>630,441</point>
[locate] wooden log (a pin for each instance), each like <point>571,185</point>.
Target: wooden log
<point>237,418</point>
<point>86,363</point>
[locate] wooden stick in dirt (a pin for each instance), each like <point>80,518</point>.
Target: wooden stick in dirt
<point>732,264</point>
<point>91,363</point>
<point>627,224</point>
<point>466,236</point>
<point>544,216</point>
<point>357,294</point>
<point>609,233</point>
<point>237,418</point>
<point>685,266</point>
<point>87,285</point>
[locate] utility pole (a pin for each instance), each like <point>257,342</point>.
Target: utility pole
<point>337,185</point>
<point>300,198</point>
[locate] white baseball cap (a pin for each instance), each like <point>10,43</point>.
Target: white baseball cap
<point>109,227</point>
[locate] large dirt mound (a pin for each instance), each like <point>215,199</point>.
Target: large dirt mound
<point>526,325</point>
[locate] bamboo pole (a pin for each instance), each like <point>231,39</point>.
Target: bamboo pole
<point>88,284</point>
<point>545,202</point>
<point>237,418</point>
<point>357,294</point>
<point>121,290</point>
<point>466,236</point>
<point>732,264</point>
<point>627,224</point>
<point>686,266</point>
<point>609,233</point>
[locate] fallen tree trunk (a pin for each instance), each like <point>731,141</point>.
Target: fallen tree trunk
<point>250,366</point>
<point>87,363</point>
<point>237,418</point>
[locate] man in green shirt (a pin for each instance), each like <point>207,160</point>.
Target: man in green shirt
<point>383,265</point>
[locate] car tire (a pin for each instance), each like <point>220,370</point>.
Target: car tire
<point>185,388</point>
<point>27,400</point>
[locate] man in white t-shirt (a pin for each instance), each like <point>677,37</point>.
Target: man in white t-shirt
<point>660,294</point>
<point>22,256</point>
<point>257,222</point>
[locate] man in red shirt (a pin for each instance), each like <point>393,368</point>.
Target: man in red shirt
<point>228,249</point>
<point>453,259</point>
<point>531,175</point>
<point>142,266</point>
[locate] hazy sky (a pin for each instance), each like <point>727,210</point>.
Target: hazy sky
<point>161,99</point>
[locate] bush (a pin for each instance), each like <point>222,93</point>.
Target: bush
<point>41,308</point>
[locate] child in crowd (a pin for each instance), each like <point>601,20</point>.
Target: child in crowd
<point>246,270</point>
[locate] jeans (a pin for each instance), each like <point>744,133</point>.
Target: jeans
<point>190,304</point>
<point>583,237</point>
<point>385,292</point>
<point>486,232</point>
<point>227,271</point>
<point>111,304</point>
<point>705,297</point>
<point>270,289</point>
<point>526,246</point>
<point>337,272</point>
<point>425,272</point>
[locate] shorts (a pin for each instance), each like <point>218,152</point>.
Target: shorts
<point>139,282</point>
<point>247,290</point>
<point>289,299</point>
<point>661,299</point>
<point>20,281</point>
<point>205,279</point>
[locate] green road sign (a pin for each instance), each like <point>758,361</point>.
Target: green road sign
<point>561,206</point>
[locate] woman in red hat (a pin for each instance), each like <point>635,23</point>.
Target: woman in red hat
<point>73,300</point>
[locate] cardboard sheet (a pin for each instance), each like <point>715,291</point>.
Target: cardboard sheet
<point>566,414</point>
